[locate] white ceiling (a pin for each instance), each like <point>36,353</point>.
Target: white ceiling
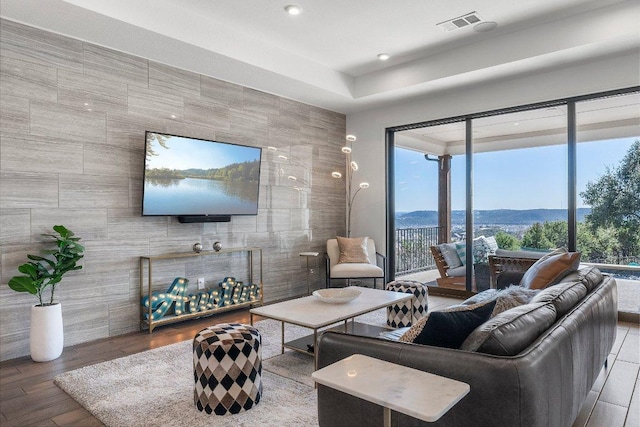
<point>326,56</point>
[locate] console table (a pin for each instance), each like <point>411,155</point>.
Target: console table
<point>146,276</point>
<point>393,387</point>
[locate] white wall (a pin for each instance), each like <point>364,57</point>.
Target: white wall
<point>368,218</point>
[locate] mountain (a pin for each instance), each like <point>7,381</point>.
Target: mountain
<point>488,217</point>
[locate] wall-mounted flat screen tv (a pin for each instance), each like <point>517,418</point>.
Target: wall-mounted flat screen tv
<point>189,177</point>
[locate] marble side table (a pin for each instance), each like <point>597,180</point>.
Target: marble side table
<point>393,387</point>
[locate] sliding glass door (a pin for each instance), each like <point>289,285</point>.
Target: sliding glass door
<point>533,177</point>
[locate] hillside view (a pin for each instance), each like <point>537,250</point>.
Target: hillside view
<point>527,217</point>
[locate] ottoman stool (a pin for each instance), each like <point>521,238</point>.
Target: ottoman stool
<point>227,368</point>
<point>401,315</point>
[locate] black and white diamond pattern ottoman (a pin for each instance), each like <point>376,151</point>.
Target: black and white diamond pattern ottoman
<point>399,315</point>
<point>227,368</point>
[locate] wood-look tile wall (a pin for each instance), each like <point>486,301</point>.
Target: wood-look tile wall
<point>73,121</point>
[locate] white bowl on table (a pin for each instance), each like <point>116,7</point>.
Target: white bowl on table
<point>336,295</point>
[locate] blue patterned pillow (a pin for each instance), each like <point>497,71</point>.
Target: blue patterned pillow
<point>461,248</point>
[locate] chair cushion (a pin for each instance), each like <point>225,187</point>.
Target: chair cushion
<point>450,255</point>
<point>353,270</point>
<point>519,254</point>
<point>512,331</point>
<point>563,296</point>
<point>457,272</point>
<point>353,250</point>
<point>461,248</point>
<point>550,269</point>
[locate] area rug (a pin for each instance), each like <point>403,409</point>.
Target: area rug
<point>155,387</point>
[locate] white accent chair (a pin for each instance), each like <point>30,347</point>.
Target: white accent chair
<point>370,270</point>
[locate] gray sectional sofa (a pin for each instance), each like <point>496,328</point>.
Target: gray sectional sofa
<point>543,385</point>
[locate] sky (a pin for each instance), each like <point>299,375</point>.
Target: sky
<point>187,153</point>
<point>512,179</point>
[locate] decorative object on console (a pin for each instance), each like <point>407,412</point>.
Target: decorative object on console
<point>202,303</point>
<point>229,292</point>
<point>336,295</point>
<point>40,273</point>
<point>197,247</point>
<point>351,167</point>
<point>217,246</point>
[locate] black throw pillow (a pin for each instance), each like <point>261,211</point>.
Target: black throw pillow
<point>450,328</point>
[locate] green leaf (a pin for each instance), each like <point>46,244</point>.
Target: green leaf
<point>23,284</point>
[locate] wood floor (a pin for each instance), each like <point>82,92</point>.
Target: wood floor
<point>28,396</point>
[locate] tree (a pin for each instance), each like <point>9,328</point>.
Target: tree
<point>507,241</point>
<point>615,200</point>
<point>535,237</point>
<point>160,140</point>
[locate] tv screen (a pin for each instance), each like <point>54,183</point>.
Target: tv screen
<point>195,177</point>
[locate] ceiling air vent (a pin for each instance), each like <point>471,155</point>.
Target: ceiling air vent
<point>466,20</point>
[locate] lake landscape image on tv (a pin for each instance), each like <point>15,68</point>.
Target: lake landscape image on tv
<point>188,176</point>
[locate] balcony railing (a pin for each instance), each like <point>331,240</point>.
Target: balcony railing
<point>412,249</point>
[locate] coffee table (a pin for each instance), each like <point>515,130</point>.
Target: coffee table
<point>394,387</point>
<point>309,312</point>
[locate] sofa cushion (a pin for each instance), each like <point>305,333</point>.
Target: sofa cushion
<point>451,327</point>
<point>510,332</point>
<point>563,296</point>
<point>550,269</point>
<point>353,250</point>
<point>591,277</point>
<point>450,255</point>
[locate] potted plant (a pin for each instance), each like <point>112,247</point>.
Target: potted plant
<point>42,273</point>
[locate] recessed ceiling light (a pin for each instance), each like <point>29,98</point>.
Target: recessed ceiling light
<point>383,56</point>
<point>292,9</point>
<point>351,138</point>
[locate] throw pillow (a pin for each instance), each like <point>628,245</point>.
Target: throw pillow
<point>511,297</point>
<point>450,255</point>
<point>492,244</point>
<point>550,269</point>
<point>505,299</point>
<point>461,248</point>
<point>353,250</point>
<point>450,328</point>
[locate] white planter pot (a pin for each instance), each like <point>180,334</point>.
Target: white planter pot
<point>47,336</point>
